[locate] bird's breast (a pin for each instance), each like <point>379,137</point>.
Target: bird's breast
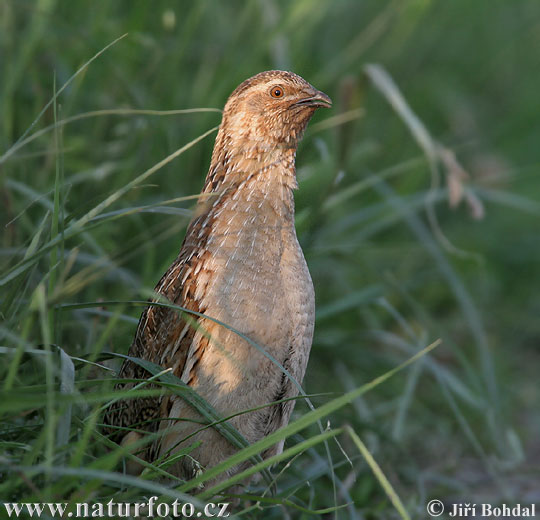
<point>253,271</point>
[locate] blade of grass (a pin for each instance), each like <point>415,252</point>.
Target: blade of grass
<point>380,476</point>
<point>40,304</point>
<point>57,227</point>
<point>110,477</point>
<point>67,387</point>
<point>288,453</point>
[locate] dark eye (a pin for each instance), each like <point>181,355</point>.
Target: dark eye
<point>276,92</point>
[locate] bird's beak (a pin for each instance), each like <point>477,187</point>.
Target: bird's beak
<point>318,99</point>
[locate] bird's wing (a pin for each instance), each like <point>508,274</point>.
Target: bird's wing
<point>163,336</point>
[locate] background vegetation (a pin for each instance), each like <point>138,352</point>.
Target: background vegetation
<point>414,228</point>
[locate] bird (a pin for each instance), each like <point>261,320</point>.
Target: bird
<point>240,264</point>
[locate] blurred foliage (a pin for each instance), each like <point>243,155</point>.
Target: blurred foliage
<point>460,425</point>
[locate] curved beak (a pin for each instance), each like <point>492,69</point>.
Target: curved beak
<point>319,99</point>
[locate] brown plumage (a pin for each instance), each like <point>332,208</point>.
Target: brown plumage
<point>241,264</point>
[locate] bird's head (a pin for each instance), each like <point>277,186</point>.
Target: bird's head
<point>271,109</point>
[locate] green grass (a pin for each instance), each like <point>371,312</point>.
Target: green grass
<point>417,212</point>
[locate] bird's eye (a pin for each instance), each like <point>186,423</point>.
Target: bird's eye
<point>276,92</point>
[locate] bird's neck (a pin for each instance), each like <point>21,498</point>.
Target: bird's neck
<point>247,201</point>
<point>258,177</point>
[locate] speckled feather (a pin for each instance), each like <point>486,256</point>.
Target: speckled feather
<point>240,263</point>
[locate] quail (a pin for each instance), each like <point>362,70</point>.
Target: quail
<point>240,264</point>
